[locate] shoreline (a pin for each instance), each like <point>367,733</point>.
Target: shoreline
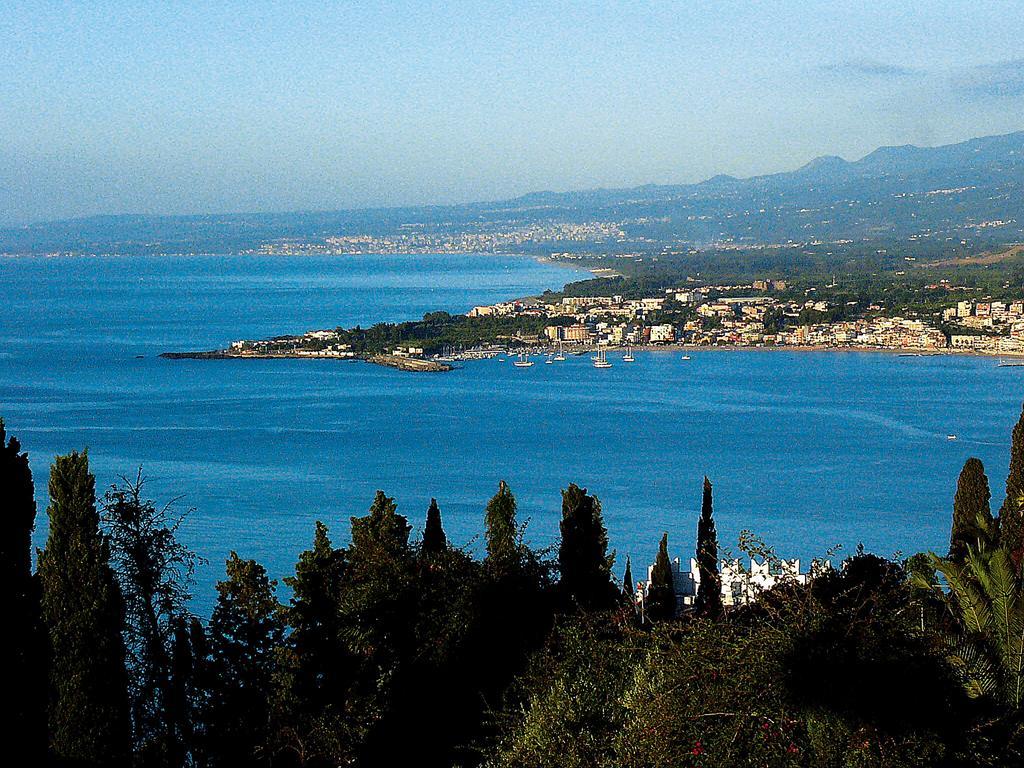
<point>898,351</point>
<point>414,364</point>
<point>437,364</point>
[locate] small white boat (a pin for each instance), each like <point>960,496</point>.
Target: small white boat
<point>549,361</point>
<point>601,360</point>
<point>628,357</point>
<point>951,437</point>
<point>560,356</point>
<point>524,361</point>
<point>686,357</point>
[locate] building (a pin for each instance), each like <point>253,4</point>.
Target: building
<point>740,585</point>
<point>663,334</point>
<point>577,333</point>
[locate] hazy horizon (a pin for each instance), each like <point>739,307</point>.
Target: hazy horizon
<point>141,108</point>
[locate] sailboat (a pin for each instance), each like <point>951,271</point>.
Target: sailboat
<point>601,360</point>
<point>628,357</point>
<point>524,361</point>
<point>560,356</point>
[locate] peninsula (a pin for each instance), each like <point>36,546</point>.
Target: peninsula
<point>933,318</point>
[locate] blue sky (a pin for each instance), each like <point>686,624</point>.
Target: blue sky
<point>169,107</point>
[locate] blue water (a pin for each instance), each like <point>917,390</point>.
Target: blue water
<point>806,449</point>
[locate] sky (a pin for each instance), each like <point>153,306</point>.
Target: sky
<point>172,107</point>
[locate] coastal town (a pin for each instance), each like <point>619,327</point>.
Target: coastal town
<point>753,315</point>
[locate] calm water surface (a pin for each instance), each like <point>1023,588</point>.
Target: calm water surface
<point>806,449</point>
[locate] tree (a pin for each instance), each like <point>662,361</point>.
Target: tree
<point>185,688</point>
<point>245,637</point>
<point>82,611</point>
<point>155,576</point>
<point>383,532</point>
<point>586,567</point>
<point>971,512</point>
<point>434,540</point>
<point>628,587</point>
<point>986,598</point>
<point>709,591</point>
<point>378,599</point>
<point>501,532</point>
<point>660,603</point>
<point>1011,514</point>
<point>16,523</point>
<point>317,668</point>
<point>24,639</point>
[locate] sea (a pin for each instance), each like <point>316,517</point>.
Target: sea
<point>810,451</point>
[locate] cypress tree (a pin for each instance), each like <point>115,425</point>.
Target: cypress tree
<point>16,522</point>
<point>245,638</point>
<point>628,587</point>
<point>434,540</point>
<point>709,592</point>
<point>19,592</point>
<point>501,532</point>
<point>583,553</point>
<point>82,612</point>
<point>1011,515</point>
<point>661,594</point>
<point>972,516</point>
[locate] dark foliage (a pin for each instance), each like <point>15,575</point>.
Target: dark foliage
<point>660,603</point>
<point>1011,514</point>
<point>245,634</point>
<point>82,611</point>
<point>389,647</point>
<point>23,646</point>
<point>708,601</point>
<point>972,516</point>
<point>434,540</point>
<point>584,564</point>
<point>154,574</point>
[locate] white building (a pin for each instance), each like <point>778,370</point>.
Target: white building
<point>739,585</point>
<point>662,334</point>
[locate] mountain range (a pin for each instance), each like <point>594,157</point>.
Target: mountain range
<point>970,190</point>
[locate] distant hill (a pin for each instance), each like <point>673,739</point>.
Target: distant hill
<point>974,189</point>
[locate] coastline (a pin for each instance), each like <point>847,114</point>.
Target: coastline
<point>417,365</point>
<point>898,351</point>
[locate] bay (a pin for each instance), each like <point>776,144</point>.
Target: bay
<point>807,449</point>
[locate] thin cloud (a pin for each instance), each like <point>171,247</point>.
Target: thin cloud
<point>874,69</point>
<point>999,80</point>
<point>1004,79</point>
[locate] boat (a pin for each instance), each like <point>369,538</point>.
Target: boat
<point>951,436</point>
<point>628,357</point>
<point>560,356</point>
<point>524,361</point>
<point>1002,364</point>
<point>549,361</point>
<point>601,360</point>
<point>686,357</point>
